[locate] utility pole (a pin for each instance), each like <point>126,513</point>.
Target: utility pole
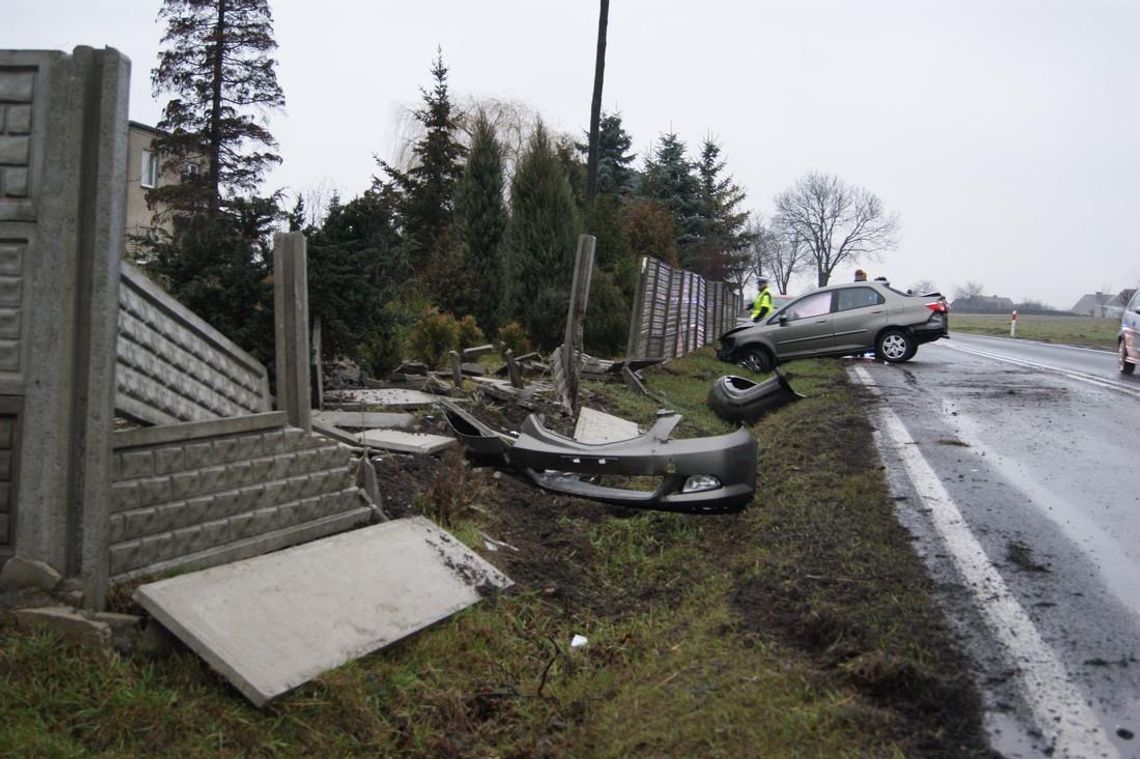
<point>596,104</point>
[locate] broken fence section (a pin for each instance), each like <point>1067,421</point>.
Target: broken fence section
<point>676,311</point>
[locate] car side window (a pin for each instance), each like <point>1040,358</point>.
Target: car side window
<point>809,306</point>
<point>857,297</point>
<point>1135,303</point>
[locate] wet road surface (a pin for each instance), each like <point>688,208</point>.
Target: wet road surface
<point>1017,467</point>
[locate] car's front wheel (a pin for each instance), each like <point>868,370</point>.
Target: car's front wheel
<point>1122,363</point>
<point>895,346</point>
<point>757,359</point>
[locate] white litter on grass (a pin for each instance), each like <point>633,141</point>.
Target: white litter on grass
<point>578,641</point>
<point>496,543</point>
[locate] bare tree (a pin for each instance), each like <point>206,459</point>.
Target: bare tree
<point>968,290</point>
<point>774,252</point>
<point>923,286</point>
<point>836,223</point>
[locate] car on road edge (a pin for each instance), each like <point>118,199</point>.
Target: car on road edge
<point>840,320</point>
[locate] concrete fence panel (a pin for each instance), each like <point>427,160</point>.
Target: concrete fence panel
<point>193,495</point>
<point>174,367</point>
<point>676,311</point>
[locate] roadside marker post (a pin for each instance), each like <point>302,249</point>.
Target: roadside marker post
<point>1013,324</point>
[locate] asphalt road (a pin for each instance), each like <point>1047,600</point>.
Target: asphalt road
<point>1017,467</point>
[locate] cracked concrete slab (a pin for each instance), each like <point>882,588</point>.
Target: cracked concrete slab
<point>394,396</point>
<point>406,442</point>
<point>364,420</point>
<point>274,622</point>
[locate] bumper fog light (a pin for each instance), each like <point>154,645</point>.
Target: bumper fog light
<point>699,483</point>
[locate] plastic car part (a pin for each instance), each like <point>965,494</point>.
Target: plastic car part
<point>720,471</point>
<point>482,442</point>
<point>736,399</point>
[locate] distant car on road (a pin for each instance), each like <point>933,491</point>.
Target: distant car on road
<point>1128,341</point>
<point>840,320</point>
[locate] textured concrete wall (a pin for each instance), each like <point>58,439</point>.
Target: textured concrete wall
<point>174,367</point>
<point>62,205</point>
<point>200,494</point>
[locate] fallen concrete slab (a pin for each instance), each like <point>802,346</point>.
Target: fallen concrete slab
<point>405,442</point>
<point>392,396</point>
<point>364,420</point>
<point>600,427</point>
<point>274,622</point>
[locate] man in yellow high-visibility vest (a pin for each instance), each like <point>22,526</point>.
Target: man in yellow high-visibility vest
<point>763,304</point>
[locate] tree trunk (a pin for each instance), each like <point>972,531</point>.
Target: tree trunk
<point>216,110</point>
<point>596,103</point>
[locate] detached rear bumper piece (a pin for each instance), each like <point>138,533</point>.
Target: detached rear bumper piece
<point>736,399</point>
<point>699,476</point>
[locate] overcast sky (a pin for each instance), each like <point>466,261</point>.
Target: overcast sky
<point>1005,134</point>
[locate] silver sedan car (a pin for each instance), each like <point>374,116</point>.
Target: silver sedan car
<point>840,320</point>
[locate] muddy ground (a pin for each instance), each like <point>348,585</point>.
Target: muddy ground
<point>812,608</point>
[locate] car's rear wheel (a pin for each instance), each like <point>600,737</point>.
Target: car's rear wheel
<point>1122,363</point>
<point>895,346</point>
<point>757,359</point>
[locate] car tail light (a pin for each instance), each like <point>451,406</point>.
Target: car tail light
<point>938,306</point>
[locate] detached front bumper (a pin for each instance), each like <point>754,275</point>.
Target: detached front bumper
<point>698,475</point>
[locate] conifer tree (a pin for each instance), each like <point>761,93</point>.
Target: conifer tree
<point>723,248</point>
<point>671,180</point>
<point>540,241</point>
<point>480,221</point>
<point>216,64</point>
<point>428,186</point>
<point>355,266</point>
<point>615,173</point>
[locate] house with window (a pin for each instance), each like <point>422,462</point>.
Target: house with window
<point>145,173</point>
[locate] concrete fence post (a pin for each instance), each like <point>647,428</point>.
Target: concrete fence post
<point>291,318</point>
<point>456,368</point>
<point>579,297</point>
<point>63,159</point>
<point>513,371</point>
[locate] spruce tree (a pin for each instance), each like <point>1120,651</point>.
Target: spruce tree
<point>355,267</point>
<point>670,179</point>
<point>541,239</point>
<point>723,248</point>
<point>216,64</point>
<point>480,221</point>
<point>427,188</point>
<point>615,173</point>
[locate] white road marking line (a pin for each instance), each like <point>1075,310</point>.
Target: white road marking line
<point>1058,709</point>
<point>1092,379</point>
<point>973,336</point>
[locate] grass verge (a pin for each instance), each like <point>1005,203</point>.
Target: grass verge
<point>802,626</point>
<point>1068,330</point>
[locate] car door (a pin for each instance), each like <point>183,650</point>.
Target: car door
<point>860,312</point>
<point>805,327</point>
<point>1130,325</point>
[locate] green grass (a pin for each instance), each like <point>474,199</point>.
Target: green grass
<point>1068,330</point>
<point>801,627</point>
